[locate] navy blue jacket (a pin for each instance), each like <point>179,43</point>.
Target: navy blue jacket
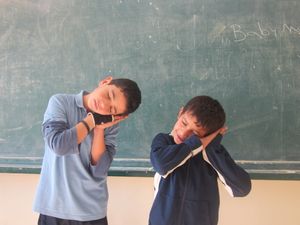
<point>186,180</point>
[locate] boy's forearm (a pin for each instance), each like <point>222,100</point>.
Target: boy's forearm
<point>165,157</point>
<point>234,177</point>
<point>98,146</point>
<point>84,127</point>
<point>60,139</point>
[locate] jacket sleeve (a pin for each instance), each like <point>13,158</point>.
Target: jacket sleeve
<point>236,180</point>
<point>166,157</point>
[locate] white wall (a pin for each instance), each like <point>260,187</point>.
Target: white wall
<point>269,203</point>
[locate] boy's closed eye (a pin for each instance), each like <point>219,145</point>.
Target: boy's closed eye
<point>111,97</point>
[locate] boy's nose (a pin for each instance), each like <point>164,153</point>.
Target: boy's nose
<point>105,105</point>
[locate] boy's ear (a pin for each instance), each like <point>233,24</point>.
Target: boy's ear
<point>180,112</point>
<point>106,80</point>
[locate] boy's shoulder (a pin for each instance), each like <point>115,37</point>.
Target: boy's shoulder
<point>163,137</point>
<point>62,96</point>
<point>62,100</point>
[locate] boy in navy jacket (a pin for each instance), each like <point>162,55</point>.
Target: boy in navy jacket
<point>188,162</point>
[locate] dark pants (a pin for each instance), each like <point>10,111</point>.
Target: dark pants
<point>49,220</point>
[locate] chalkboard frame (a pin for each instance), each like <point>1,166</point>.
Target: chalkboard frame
<point>263,170</point>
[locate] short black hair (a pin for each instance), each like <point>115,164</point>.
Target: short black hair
<point>208,112</point>
<point>131,92</point>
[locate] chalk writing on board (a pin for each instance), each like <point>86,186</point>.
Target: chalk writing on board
<point>262,32</point>
<point>236,33</point>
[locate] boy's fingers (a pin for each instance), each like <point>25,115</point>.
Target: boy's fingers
<point>117,119</point>
<point>120,117</point>
<point>223,130</point>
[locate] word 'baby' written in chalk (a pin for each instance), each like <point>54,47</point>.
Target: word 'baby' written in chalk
<point>262,32</point>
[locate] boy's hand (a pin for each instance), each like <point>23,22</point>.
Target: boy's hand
<point>207,139</point>
<point>100,119</point>
<point>117,119</point>
<point>223,130</point>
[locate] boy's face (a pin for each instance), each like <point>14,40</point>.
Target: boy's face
<point>185,126</point>
<point>107,99</point>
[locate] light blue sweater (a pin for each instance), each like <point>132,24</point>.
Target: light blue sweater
<point>70,187</point>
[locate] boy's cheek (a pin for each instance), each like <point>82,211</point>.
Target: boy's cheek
<point>175,137</point>
<point>177,141</point>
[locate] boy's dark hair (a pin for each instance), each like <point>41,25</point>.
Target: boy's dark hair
<point>208,111</point>
<point>131,91</point>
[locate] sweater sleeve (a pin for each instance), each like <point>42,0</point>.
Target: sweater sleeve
<point>166,157</point>
<point>60,138</point>
<point>236,180</point>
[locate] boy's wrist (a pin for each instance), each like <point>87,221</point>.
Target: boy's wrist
<point>86,126</point>
<point>216,142</point>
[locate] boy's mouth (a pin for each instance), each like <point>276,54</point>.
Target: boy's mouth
<point>179,138</point>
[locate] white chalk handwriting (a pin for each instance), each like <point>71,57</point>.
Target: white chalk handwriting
<point>260,31</point>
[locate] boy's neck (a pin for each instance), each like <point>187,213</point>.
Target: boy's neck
<point>85,99</point>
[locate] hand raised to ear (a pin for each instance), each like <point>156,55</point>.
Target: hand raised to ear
<point>223,130</point>
<point>207,139</point>
<point>117,119</point>
<point>100,119</point>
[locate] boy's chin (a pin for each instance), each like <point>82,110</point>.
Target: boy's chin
<point>177,140</point>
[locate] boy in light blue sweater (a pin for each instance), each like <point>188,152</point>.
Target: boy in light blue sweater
<point>79,149</point>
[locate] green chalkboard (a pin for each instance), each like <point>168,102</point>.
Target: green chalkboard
<point>245,53</point>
